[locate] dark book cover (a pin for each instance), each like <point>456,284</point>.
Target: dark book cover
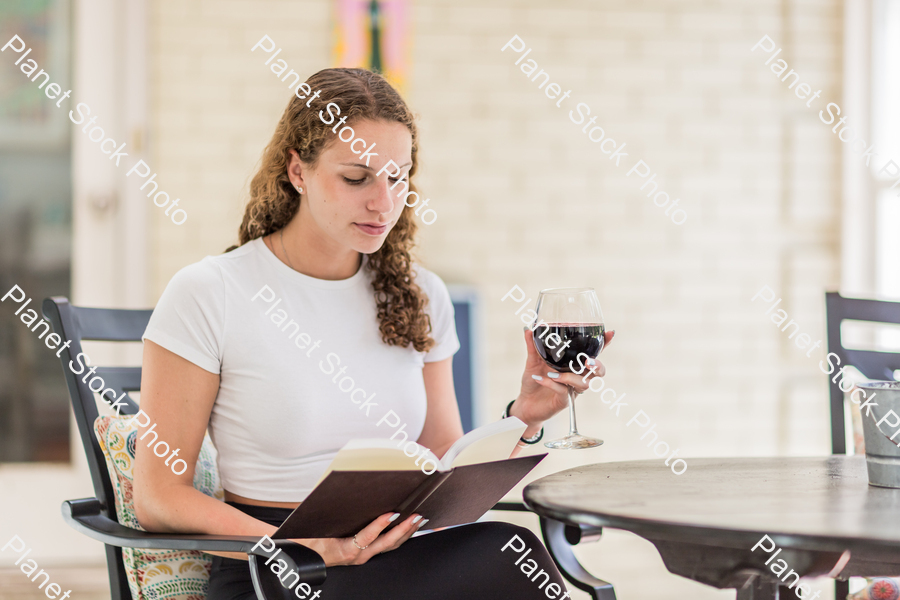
<point>345,502</point>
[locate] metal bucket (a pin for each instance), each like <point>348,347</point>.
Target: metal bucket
<point>880,425</point>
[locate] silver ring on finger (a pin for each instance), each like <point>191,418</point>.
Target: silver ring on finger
<point>357,545</point>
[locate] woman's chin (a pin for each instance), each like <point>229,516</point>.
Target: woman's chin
<point>367,243</point>
<point>369,246</point>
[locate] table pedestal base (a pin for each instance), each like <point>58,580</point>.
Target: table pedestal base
<point>759,588</point>
<point>736,568</point>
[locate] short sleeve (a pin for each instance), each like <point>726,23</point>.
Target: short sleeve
<point>440,309</point>
<point>189,318</point>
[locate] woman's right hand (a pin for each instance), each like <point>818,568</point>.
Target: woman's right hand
<point>342,551</point>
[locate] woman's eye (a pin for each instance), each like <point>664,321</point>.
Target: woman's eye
<point>354,181</point>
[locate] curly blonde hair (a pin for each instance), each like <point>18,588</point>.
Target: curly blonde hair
<point>274,201</point>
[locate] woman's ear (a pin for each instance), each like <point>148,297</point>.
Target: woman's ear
<point>296,170</point>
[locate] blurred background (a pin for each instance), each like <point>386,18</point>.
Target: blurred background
<point>523,199</point>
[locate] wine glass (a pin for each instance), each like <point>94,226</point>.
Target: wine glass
<point>568,323</point>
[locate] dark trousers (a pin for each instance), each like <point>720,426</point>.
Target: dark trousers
<point>462,562</point>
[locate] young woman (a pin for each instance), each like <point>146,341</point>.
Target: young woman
<point>326,235</point>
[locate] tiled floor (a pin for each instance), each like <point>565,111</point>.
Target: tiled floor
<point>86,583</point>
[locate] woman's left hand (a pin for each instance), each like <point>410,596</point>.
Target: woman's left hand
<point>544,390</point>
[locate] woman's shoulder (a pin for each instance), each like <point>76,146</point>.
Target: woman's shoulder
<point>191,316</point>
<point>211,268</point>
<point>429,281</point>
<point>439,300</point>
<point>206,279</point>
<point>440,309</point>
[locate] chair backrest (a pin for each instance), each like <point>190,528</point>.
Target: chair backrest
<point>465,362</point>
<point>871,363</point>
<point>75,324</point>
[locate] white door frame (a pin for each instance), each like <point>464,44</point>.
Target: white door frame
<point>109,254</point>
<point>857,211</point>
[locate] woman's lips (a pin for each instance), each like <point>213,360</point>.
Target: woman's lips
<point>372,228</point>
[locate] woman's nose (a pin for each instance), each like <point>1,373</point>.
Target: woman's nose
<point>383,202</point>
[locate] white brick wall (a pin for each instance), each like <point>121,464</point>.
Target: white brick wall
<point>523,198</point>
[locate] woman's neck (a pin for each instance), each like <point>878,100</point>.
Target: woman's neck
<point>309,251</point>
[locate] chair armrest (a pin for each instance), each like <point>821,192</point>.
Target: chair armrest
<point>86,515</point>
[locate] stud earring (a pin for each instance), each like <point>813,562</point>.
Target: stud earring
<point>299,189</point>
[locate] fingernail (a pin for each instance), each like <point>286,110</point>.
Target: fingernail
<point>417,519</point>
<point>592,362</point>
<point>612,333</point>
<point>394,517</point>
<point>525,328</point>
<point>553,375</point>
<point>422,523</point>
<point>537,377</point>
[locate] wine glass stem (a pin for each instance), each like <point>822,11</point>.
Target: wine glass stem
<point>573,428</point>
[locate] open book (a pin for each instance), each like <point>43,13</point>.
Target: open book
<point>369,478</point>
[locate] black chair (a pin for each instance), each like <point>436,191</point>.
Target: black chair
<point>871,363</point>
<point>96,517</point>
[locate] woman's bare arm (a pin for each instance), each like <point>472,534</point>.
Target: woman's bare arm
<point>442,423</point>
<point>178,396</point>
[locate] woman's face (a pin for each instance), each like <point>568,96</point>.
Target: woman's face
<point>342,196</point>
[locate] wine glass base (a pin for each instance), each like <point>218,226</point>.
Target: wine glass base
<point>574,442</point>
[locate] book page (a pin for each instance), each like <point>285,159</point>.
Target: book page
<point>494,441</point>
<point>377,455</point>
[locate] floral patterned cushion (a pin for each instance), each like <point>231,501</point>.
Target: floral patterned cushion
<point>878,589</point>
<point>156,574</point>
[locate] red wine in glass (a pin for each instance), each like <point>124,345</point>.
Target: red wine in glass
<point>559,344</point>
<point>568,323</point>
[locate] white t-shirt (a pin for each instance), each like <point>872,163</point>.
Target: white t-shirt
<point>283,409</point>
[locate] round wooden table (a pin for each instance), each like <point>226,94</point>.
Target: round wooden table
<point>705,522</point>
